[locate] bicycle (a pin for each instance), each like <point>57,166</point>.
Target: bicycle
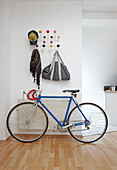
<point>28,121</point>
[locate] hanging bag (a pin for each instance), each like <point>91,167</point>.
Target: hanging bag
<point>56,70</point>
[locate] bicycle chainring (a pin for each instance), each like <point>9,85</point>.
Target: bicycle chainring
<point>61,129</point>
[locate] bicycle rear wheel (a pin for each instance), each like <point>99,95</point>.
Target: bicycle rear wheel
<point>94,130</point>
<point>27,122</point>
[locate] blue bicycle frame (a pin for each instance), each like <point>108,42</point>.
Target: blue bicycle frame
<point>67,111</point>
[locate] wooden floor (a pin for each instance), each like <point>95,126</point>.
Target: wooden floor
<point>59,153</point>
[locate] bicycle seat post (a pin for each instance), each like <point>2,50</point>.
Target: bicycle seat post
<point>74,95</point>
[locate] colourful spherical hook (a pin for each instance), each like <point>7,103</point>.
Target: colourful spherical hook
<point>40,31</point>
<point>54,31</point>
<point>51,45</point>
<point>43,45</point>
<point>47,31</point>
<point>58,45</point>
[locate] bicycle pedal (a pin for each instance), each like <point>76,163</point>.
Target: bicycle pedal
<point>55,128</point>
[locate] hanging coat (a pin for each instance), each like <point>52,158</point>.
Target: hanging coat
<point>35,66</point>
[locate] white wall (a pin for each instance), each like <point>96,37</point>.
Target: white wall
<point>5,66</point>
<point>99,58</point>
<point>17,19</point>
<point>65,17</point>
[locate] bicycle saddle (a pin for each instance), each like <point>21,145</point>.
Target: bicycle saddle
<point>71,91</point>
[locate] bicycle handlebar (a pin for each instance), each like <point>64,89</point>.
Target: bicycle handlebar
<point>33,91</point>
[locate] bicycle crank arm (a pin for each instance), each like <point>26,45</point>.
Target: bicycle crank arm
<point>67,126</point>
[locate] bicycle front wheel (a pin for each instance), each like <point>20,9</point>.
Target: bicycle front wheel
<point>87,132</point>
<point>27,122</point>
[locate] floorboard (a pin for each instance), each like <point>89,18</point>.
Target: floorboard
<point>59,153</point>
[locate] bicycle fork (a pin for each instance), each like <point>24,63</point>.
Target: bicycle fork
<point>28,121</point>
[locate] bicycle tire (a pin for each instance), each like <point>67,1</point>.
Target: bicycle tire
<point>97,127</point>
<point>27,122</point>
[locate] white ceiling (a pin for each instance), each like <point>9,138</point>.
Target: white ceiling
<point>92,5</point>
<point>100,6</point>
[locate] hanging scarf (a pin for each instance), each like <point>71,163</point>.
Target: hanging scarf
<point>35,66</point>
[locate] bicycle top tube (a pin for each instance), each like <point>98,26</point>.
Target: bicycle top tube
<point>53,97</point>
